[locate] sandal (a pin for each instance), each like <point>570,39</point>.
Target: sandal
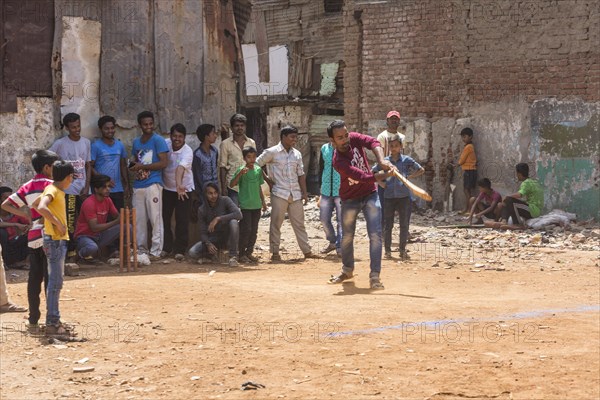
<point>376,284</point>
<point>340,278</point>
<point>11,307</point>
<point>60,329</point>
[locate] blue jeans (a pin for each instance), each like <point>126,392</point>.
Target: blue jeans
<point>228,236</point>
<point>56,252</point>
<point>403,206</point>
<point>371,209</point>
<point>328,203</point>
<point>89,246</point>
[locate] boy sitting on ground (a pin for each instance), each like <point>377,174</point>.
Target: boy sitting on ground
<point>488,203</point>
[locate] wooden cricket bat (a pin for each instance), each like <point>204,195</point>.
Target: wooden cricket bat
<point>414,188</point>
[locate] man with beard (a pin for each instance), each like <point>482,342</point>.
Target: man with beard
<point>219,226</point>
<point>358,193</point>
<point>110,158</point>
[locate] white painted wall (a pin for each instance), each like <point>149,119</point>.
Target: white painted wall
<point>278,71</point>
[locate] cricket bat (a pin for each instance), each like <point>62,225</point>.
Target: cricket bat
<point>414,188</point>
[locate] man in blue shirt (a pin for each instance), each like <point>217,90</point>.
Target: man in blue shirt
<point>150,157</point>
<point>397,196</point>
<point>110,158</point>
<point>204,165</point>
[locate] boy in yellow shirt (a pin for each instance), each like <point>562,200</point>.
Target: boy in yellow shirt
<point>51,205</point>
<point>468,163</point>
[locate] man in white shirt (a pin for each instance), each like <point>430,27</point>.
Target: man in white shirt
<point>178,184</point>
<point>288,191</point>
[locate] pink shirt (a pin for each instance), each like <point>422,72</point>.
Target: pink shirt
<point>490,198</point>
<point>357,180</point>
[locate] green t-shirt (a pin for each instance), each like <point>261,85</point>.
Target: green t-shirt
<point>249,184</point>
<point>534,195</point>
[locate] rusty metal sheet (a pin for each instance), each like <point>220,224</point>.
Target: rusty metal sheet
<point>262,46</point>
<point>26,38</point>
<point>127,79</point>
<point>179,61</point>
<point>223,64</point>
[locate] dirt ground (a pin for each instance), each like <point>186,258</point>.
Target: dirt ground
<point>474,314</point>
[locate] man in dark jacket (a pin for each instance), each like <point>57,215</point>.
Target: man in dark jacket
<point>218,217</point>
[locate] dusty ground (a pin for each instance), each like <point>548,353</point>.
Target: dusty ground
<point>475,314</point>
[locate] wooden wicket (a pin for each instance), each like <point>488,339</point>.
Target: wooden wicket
<point>126,237</point>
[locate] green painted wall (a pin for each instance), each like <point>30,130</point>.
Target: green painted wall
<point>566,139</point>
<point>562,180</point>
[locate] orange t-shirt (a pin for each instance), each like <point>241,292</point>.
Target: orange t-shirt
<point>468,159</point>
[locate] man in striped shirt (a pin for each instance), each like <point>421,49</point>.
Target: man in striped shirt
<point>19,203</point>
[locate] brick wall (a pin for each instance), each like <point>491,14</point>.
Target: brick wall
<point>431,58</point>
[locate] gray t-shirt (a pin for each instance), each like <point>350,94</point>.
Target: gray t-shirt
<point>77,153</point>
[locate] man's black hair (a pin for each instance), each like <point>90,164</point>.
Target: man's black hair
<point>61,169</point>
<point>204,130</point>
<point>212,185</point>
<point>466,132</point>
<point>179,128</point>
<point>105,119</point>
<point>238,118</point>
<point>523,169</point>
<point>41,158</point>
<point>70,117</point>
<point>395,138</point>
<point>484,183</point>
<point>287,130</point>
<point>248,150</point>
<point>144,114</point>
<point>338,123</point>
<point>98,181</point>
<point>5,189</point>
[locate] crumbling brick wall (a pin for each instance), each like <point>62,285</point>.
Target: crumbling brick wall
<point>429,58</point>
<point>477,63</point>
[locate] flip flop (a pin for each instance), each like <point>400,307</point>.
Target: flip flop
<point>11,307</point>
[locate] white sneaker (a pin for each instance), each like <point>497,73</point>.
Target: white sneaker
<point>233,262</point>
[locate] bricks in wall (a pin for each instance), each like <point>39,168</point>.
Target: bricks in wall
<point>429,58</point>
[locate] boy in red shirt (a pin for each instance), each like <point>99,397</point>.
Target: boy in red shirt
<point>358,193</point>
<point>13,235</point>
<point>98,222</point>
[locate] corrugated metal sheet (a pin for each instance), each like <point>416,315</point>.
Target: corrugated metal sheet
<point>222,55</point>
<point>26,39</point>
<point>127,79</point>
<point>178,31</point>
<point>242,10</point>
